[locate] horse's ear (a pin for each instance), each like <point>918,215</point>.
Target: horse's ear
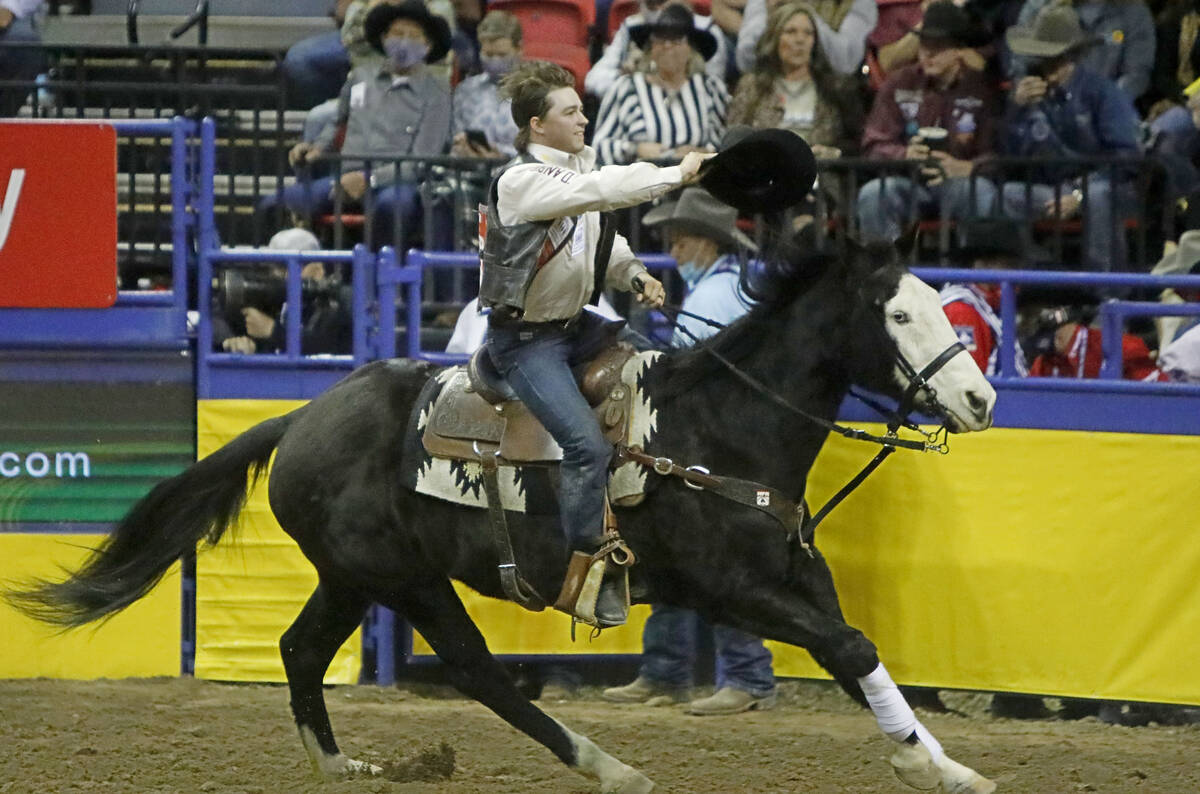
<point>906,244</point>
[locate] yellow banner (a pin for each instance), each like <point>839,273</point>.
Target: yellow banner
<point>143,640</point>
<point>251,589</point>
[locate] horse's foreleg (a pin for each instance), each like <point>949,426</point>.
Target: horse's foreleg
<point>307,647</point>
<point>435,610</point>
<point>850,657</point>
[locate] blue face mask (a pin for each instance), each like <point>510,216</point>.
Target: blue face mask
<point>496,66</point>
<point>405,53</point>
<point>690,272</point>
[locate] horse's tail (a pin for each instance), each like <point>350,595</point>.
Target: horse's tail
<point>197,504</point>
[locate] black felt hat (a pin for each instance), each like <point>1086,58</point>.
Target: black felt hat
<point>947,22</point>
<point>676,20</point>
<point>381,17</point>
<point>760,170</point>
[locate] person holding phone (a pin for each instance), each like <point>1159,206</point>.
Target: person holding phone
<point>482,121</point>
<point>940,113</point>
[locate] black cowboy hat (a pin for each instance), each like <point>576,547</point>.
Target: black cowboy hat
<point>760,170</point>
<point>998,236</point>
<point>678,20</point>
<point>946,22</point>
<point>381,17</point>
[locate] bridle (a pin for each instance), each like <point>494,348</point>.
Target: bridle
<point>918,381</point>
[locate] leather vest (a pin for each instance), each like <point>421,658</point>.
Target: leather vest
<point>511,254</point>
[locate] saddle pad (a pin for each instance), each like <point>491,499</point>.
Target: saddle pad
<point>527,487</point>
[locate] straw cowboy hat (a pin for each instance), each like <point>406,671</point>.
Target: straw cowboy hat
<point>698,212</point>
<point>679,21</point>
<point>759,171</point>
<point>1055,31</point>
<point>381,17</point>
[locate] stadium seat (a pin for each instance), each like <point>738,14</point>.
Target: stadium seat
<point>573,58</point>
<point>559,21</point>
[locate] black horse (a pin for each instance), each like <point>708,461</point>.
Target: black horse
<point>824,324</point>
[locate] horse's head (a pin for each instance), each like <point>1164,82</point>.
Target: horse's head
<point>907,347</point>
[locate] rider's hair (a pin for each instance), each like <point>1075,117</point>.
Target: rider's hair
<point>529,87</point>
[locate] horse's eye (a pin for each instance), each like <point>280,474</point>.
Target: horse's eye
<point>900,318</point>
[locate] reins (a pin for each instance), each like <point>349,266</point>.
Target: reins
<point>935,441</point>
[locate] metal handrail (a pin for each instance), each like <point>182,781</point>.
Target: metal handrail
<point>199,16</point>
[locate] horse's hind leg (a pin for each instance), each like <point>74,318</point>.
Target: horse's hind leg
<point>307,647</point>
<point>435,610</point>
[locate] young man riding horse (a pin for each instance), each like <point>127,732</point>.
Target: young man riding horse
<point>545,254</point>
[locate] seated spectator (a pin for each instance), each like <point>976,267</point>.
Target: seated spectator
<point>842,29</point>
<point>400,110</point>
<point>706,246</point>
<point>727,16</point>
<point>1176,66</point>
<point>1063,109</point>
<point>1069,347</point>
<point>623,55</point>
<point>18,25</point>
<point>938,112</point>
<point>477,103</point>
<point>1123,31</point>
<point>986,244</point>
<point>360,61</point>
<point>326,308</point>
<point>792,86</point>
<point>672,108</point>
<point>315,68</point>
<point>895,38</point>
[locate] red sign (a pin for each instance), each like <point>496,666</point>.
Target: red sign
<point>58,214</point>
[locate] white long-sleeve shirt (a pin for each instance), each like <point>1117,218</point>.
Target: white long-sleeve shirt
<point>569,187</point>
<point>21,8</point>
<point>605,72</point>
<point>844,48</point>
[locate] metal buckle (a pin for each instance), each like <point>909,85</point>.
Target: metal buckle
<point>663,466</point>
<point>697,470</point>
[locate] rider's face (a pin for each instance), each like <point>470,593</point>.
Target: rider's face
<point>562,126</point>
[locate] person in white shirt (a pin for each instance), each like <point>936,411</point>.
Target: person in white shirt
<point>543,249</point>
<point>18,25</point>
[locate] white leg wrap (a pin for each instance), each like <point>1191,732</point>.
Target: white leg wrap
<point>892,712</point>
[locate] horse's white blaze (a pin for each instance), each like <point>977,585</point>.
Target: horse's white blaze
<point>333,765</point>
<point>915,320</point>
<point>614,776</point>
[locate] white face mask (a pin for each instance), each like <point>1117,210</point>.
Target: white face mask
<point>404,53</point>
<point>690,272</point>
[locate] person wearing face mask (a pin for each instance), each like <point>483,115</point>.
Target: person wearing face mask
<point>477,102</point>
<point>546,252</point>
<point>398,109</point>
<point>708,250</point>
<point>670,106</point>
<point>1063,109</point>
<point>622,54</point>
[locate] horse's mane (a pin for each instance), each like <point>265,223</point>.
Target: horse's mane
<point>791,268</point>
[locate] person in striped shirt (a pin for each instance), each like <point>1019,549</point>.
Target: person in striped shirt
<point>672,106</point>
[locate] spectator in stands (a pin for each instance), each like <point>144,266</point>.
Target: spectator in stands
<point>1070,347</point>
<point>842,29</point>
<point>986,244</point>
<point>623,55</point>
<point>361,59</point>
<point>1181,258</point>
<point>326,314</point>
<point>940,113</point>
<point>477,102</point>
<point>401,110</point>
<point>707,248</point>
<point>672,107</point>
<point>895,39</point>
<point>316,67</point>
<point>18,25</point>
<point>1063,109</point>
<point>1123,31</point>
<point>792,86</point>
<point>1176,66</point>
<point>727,15</point>
<point>465,41</point>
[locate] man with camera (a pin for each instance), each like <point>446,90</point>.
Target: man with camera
<point>937,112</point>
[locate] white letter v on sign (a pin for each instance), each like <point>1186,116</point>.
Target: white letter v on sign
<point>11,196</point>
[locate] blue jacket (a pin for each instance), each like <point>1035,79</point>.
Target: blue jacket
<point>1089,116</point>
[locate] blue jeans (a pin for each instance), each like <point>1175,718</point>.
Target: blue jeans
<point>1105,247</point>
<point>315,69</point>
<point>886,206</point>
<point>18,63</point>
<point>536,361</point>
<point>669,653</point>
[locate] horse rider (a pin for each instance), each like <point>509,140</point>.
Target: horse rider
<point>542,251</point>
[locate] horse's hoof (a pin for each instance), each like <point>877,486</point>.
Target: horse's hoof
<point>354,768</point>
<point>914,766</point>
<point>630,782</point>
<point>959,779</point>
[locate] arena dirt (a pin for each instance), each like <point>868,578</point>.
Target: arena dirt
<point>182,735</point>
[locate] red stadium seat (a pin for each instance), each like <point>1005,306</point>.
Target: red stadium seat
<point>571,57</point>
<point>561,21</point>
